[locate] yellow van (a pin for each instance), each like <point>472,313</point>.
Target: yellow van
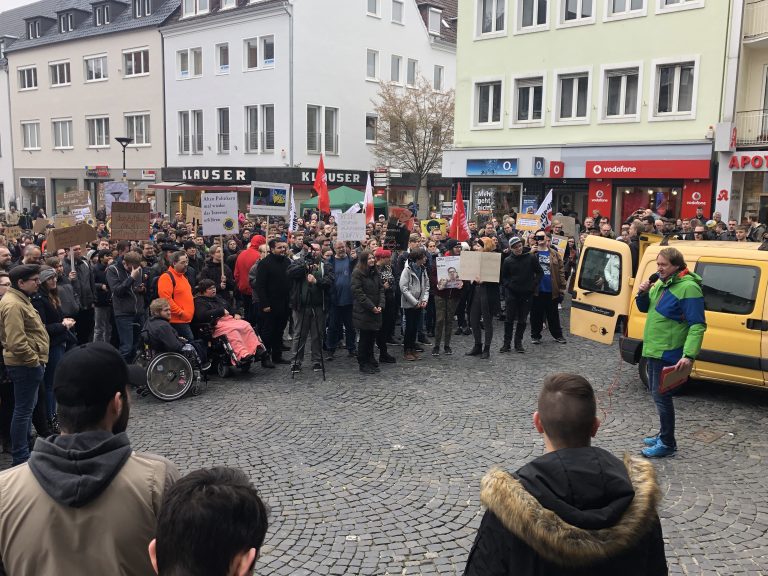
<point>734,280</point>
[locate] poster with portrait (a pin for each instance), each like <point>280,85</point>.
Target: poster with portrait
<point>448,271</point>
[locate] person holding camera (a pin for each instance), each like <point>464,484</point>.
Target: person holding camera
<point>309,281</point>
<point>549,292</point>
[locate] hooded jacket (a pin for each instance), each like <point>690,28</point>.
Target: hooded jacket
<point>575,511</point>
<point>521,273</point>
<point>245,261</point>
<point>22,333</point>
<point>88,501</point>
<point>675,324</point>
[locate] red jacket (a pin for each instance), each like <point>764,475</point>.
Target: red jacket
<point>245,260</point>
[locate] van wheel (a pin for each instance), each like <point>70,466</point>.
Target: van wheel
<point>642,368</point>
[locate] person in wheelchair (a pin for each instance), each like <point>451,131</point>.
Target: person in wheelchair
<point>163,338</point>
<point>213,317</point>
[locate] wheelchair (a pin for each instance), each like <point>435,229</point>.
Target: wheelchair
<point>170,375</point>
<point>220,352</point>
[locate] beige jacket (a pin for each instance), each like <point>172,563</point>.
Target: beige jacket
<point>22,333</point>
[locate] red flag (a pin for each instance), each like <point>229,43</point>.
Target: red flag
<point>459,228</point>
<point>321,187</point>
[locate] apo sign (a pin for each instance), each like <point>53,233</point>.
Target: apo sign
<point>746,162</point>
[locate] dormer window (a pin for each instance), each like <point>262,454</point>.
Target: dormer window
<point>194,7</point>
<point>66,22</point>
<point>102,15</point>
<point>435,17</point>
<point>142,8</point>
<point>33,29</point>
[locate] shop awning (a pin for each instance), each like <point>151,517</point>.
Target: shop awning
<point>182,186</point>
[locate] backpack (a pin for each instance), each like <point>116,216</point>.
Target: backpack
<point>153,290</point>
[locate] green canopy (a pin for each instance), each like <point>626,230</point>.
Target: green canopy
<point>344,198</point>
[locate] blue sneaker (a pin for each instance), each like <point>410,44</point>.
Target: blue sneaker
<point>660,450</point>
<point>651,441</point>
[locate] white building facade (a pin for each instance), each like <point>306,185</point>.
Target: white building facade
<point>7,188</point>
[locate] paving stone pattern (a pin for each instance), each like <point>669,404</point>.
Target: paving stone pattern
<point>380,474</point>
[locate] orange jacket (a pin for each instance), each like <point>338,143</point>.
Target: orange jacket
<point>180,296</point>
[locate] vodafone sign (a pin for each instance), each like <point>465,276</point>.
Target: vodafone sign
<point>677,169</point>
<point>600,197</point>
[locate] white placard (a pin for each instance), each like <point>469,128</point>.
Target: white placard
<point>350,227</point>
<point>269,198</point>
<point>219,213</point>
<point>448,272</point>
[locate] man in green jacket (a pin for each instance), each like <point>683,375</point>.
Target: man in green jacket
<point>674,330</point>
<point>25,351</point>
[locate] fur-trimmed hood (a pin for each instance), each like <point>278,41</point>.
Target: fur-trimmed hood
<point>576,506</point>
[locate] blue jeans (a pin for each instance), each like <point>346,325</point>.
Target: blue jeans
<point>128,330</point>
<point>341,316</point>
<point>26,382</point>
<point>664,405</point>
<point>55,353</point>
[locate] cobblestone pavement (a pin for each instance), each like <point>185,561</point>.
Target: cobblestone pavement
<point>380,475</point>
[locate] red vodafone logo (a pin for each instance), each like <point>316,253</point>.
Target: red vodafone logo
<point>597,170</point>
<point>599,194</point>
<point>696,196</point>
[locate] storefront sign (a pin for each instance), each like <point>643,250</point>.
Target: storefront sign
<point>245,175</point>
<point>214,174</point>
<point>492,167</point>
<point>696,195</point>
<point>150,175</point>
<point>600,197</point>
<point>333,177</point>
<point>657,169</point>
<point>269,198</point>
<point>97,172</point>
<point>749,162</point>
<point>556,169</point>
<point>538,166</point>
<point>32,183</point>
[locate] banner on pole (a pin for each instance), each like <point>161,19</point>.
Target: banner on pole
<point>269,198</point>
<point>68,237</point>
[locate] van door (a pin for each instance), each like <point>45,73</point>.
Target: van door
<point>734,293</point>
<point>602,288</point>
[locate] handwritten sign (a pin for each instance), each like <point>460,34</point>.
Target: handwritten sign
<point>351,227</point>
<point>130,221</point>
<point>485,201</point>
<point>68,237</point>
<point>486,265</point>
<point>528,224</point>
<point>194,214</point>
<point>38,226</point>
<point>64,220</point>
<point>13,232</point>
<point>219,213</point>
<point>65,201</point>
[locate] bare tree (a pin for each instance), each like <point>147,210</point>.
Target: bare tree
<point>414,126</point>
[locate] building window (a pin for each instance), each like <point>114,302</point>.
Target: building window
<point>184,144</point>
<point>197,131</point>
<point>529,98</point>
<point>137,128</point>
<point>102,15</point>
<point>373,8</point>
<point>96,69</point>
<point>491,16</point>
<point>268,50</point>
<point>142,8</point>
<point>136,63</point>
<point>191,132</point>
<point>621,93</point>
<point>576,11</point>
<point>438,79</point>
<point>675,88</point>
<point>28,78</point>
<point>33,29</point>
<point>30,135</point>
<point>251,128</point>
<point>268,135</point>
<point>66,22</point>
<point>190,63</point>
<point>222,116</point>
<point>371,121</point>
<point>331,130</point>
<point>62,134</point>
<point>222,58</point>
<point>225,4</point>
<point>372,65</point>
<point>194,8</point>
<point>674,5</point>
<point>488,103</point>
<point>259,52</point>
<point>98,132</point>
<point>397,11</point>
<point>573,97</point>
<point>532,13</point>
<point>411,72</point>
<point>314,130</point>
<point>396,62</point>
<point>625,7</point>
<point>60,75</point>
<point>434,20</point>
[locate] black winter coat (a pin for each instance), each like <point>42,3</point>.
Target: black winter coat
<point>103,297</point>
<point>572,512</point>
<point>51,317</point>
<point>367,294</point>
<point>521,273</point>
<point>162,336</point>
<point>272,284</point>
<point>208,310</point>
<point>212,271</point>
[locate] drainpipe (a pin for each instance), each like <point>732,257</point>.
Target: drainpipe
<point>166,207</point>
<point>288,7</point>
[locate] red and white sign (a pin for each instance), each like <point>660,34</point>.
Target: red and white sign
<point>678,169</point>
<point>757,161</point>
<point>556,169</point>
<point>600,197</point>
<point>696,195</point>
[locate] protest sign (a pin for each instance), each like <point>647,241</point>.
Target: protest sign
<point>65,201</point>
<point>399,227</point>
<point>115,192</point>
<point>269,198</point>
<point>130,221</point>
<point>448,272</point>
<point>559,243</point>
<point>13,232</point>
<point>350,227</point>
<point>528,223</point>
<point>194,214</point>
<point>428,225</point>
<point>81,214</point>
<point>219,213</point>
<point>38,226</point>
<point>71,236</point>
<point>446,209</point>
<point>485,265</point>
<point>569,224</point>
<point>64,220</point>
<point>485,201</point>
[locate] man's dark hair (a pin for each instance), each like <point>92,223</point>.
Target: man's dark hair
<point>206,518</point>
<point>417,254</point>
<point>567,409</point>
<point>274,242</point>
<point>132,258</point>
<point>176,256</point>
<point>123,245</point>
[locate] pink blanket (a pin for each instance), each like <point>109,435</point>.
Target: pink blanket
<point>240,334</point>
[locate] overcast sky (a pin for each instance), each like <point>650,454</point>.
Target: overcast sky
<point>8,4</point>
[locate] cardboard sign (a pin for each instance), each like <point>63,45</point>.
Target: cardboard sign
<point>66,201</point>
<point>130,221</point>
<point>569,224</point>
<point>486,265</point>
<point>559,243</point>
<point>13,232</point>
<point>350,227</point>
<point>219,213</point>
<point>428,225</point>
<point>39,225</point>
<point>269,198</point>
<point>67,237</point>
<point>64,220</point>
<point>448,272</point>
<point>528,224</point>
<point>115,192</point>
<point>194,214</point>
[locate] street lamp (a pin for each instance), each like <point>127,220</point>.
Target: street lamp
<point>124,141</point>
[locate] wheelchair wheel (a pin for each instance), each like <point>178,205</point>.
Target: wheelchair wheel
<point>170,376</point>
<point>223,369</point>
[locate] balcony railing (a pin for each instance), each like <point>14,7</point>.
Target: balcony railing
<point>752,127</point>
<point>756,20</point>
<point>223,143</point>
<point>197,143</point>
